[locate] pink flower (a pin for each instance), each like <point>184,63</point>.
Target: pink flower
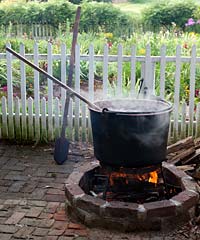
<point>190,22</point>
<point>5,88</point>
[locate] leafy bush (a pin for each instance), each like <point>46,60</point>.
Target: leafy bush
<point>97,17</point>
<point>47,12</point>
<point>163,14</point>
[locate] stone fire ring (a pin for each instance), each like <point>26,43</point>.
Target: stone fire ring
<point>124,216</point>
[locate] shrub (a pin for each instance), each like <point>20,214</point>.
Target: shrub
<point>163,14</point>
<point>97,17</point>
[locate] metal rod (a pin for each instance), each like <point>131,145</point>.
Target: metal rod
<point>72,92</point>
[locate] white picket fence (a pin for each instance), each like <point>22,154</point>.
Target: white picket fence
<point>36,31</point>
<point>37,118</point>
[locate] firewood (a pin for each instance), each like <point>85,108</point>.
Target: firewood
<point>187,167</point>
<point>181,156</point>
<point>197,143</point>
<point>193,159</point>
<point>196,173</point>
<point>180,145</point>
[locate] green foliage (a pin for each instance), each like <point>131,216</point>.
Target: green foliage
<point>164,13</point>
<point>97,17</point>
<point>33,12</point>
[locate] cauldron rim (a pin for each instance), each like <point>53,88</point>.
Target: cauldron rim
<point>168,108</point>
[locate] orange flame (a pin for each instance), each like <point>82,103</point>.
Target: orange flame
<point>153,177</point>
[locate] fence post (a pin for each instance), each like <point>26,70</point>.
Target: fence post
<point>162,70</point>
<point>36,94</point>
<point>10,95</point>
<point>63,76</point>
<point>23,93</point>
<point>133,70</point>
<point>43,120</point>
<point>30,118</point>
<point>105,71</point>
<point>192,89</point>
<point>148,81</point>
<point>18,132</point>
<point>119,71</point>
<point>177,90</point>
<point>50,93</point>
<point>4,118</point>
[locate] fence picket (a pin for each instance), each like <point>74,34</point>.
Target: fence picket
<point>50,93</point>
<point>105,71</point>
<point>63,75</point>
<point>43,120</point>
<point>119,71</point>
<point>23,93</point>
<point>192,89</point>
<point>83,122</point>
<point>91,73</point>
<point>30,119</point>
<point>70,120</point>
<point>162,70</point>
<point>133,70</point>
<point>10,94</point>
<point>183,120</point>
<point>57,118</point>
<point>4,118</point>
<point>18,129</point>
<point>148,81</point>
<point>197,132</point>
<point>177,90</point>
<point>36,94</point>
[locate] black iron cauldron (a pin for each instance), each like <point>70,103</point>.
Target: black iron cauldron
<point>130,133</point>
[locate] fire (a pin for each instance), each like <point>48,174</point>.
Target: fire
<point>153,177</point>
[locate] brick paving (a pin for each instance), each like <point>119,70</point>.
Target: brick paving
<point>32,198</point>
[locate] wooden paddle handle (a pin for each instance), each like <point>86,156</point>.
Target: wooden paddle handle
<point>72,92</point>
<point>71,69</point>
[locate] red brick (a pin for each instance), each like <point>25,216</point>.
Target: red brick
<point>54,197</point>
<point>74,177</point>
<point>70,233</point>
<point>119,209</point>
<point>15,218</point>
<point>44,215</point>
<point>82,233</point>
<point>8,229</point>
<point>34,212</point>
<point>60,225</point>
<point>56,232</point>
<point>76,226</point>
<point>40,232</point>
<point>187,198</point>
<point>56,191</point>
<point>52,207</point>
<point>24,232</point>
<point>51,238</point>
<point>60,217</point>
<point>72,191</point>
<point>163,208</point>
<point>43,223</point>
